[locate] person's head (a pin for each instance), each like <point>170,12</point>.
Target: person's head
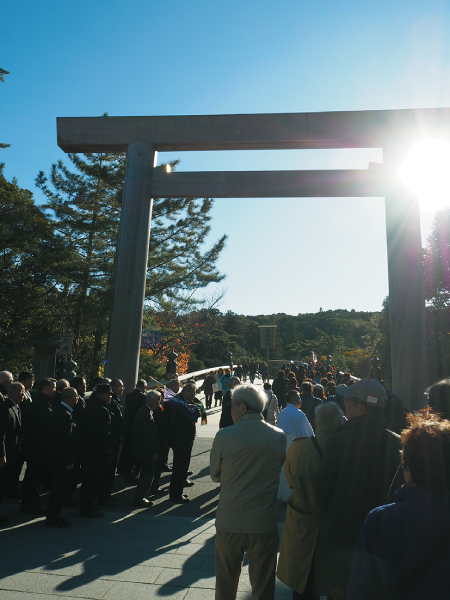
<point>292,381</point>
<point>174,385</point>
<point>47,387</point>
<point>328,417</point>
<point>220,371</point>
<point>69,396</point>
<point>267,386</point>
<point>233,382</point>
<point>153,399</point>
<point>280,374</point>
<point>6,378</point>
<point>117,387</point>
<point>318,392</point>
<point>79,383</point>
<point>141,385</point>
<point>331,391</point>
<point>26,378</point>
<point>293,397</point>
<point>307,387</point>
<point>364,398</point>
<point>227,372</point>
<point>104,392</point>
<point>61,384</point>
<point>16,391</point>
<point>438,396</point>
<point>426,451</point>
<point>246,399</point>
<point>189,391</point>
<point>324,382</point>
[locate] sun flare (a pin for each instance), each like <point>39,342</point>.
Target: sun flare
<point>426,172</point>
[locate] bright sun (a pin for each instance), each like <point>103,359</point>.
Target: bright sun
<point>426,172</point>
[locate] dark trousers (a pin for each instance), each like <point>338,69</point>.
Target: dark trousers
<point>91,484</point>
<point>58,492</point>
<point>146,469</point>
<point>180,467</point>
<point>208,400</point>
<point>39,471</point>
<point>107,485</point>
<point>309,593</point>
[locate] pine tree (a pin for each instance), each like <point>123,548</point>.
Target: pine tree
<point>85,211</point>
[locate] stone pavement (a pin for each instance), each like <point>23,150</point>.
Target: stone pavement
<point>163,551</point>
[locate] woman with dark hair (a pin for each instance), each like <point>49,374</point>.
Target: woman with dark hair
<point>403,551</point>
<point>207,387</point>
<point>318,392</point>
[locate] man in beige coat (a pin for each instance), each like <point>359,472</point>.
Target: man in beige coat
<point>301,565</point>
<point>246,460</point>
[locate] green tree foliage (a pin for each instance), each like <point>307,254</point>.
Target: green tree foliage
<point>30,264</point>
<point>84,206</point>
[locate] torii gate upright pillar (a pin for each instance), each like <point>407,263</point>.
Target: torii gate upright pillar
<point>124,340</point>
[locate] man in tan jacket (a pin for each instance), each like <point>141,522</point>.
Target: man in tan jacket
<point>246,460</point>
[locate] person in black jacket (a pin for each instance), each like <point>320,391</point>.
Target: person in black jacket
<point>278,387</point>
<point>36,427</point>
<point>133,402</point>
<point>146,449</point>
<point>182,415</point>
<point>225,417</point>
<point>309,402</point>
<point>10,436</point>
<point>97,450</point>
<point>355,475</point>
<point>64,444</point>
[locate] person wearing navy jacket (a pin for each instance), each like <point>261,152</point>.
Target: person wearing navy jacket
<point>64,448</point>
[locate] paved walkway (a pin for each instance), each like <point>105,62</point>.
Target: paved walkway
<point>163,551</point>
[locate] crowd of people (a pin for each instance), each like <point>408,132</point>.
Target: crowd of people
<point>66,435</point>
<point>366,486</point>
<point>368,512</point>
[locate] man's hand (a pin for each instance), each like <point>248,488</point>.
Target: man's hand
<point>2,462</point>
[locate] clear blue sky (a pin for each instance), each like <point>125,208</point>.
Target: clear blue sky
<point>207,57</point>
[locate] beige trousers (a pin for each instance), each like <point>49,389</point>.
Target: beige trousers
<point>262,551</point>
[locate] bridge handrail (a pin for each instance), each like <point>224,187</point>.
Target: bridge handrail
<point>202,372</point>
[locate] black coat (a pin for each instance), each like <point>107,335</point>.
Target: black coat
<point>10,430</point>
<point>37,426</point>
<point>225,417</point>
<point>133,402</point>
<point>116,409</point>
<point>96,444</point>
<point>64,437</point>
<point>145,435</point>
<point>309,404</point>
<point>278,386</point>
<point>355,476</point>
<point>181,429</point>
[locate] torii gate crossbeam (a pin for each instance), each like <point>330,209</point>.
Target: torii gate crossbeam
<point>142,137</point>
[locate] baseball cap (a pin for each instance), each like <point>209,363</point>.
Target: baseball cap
<point>369,391</point>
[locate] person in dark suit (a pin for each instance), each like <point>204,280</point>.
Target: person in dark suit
<point>36,425</point>
<point>182,415</point>
<point>10,436</point>
<point>96,449</point>
<point>64,446</point>
<point>146,449</point>
<point>225,417</point>
<point>133,402</point>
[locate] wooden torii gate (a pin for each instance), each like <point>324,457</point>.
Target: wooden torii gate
<point>142,137</point>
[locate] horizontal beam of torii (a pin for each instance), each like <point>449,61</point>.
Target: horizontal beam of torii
<point>142,137</point>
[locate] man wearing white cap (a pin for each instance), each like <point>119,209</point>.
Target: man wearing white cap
<point>356,473</point>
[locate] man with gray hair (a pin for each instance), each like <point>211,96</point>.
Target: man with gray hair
<point>246,460</point>
<point>6,379</point>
